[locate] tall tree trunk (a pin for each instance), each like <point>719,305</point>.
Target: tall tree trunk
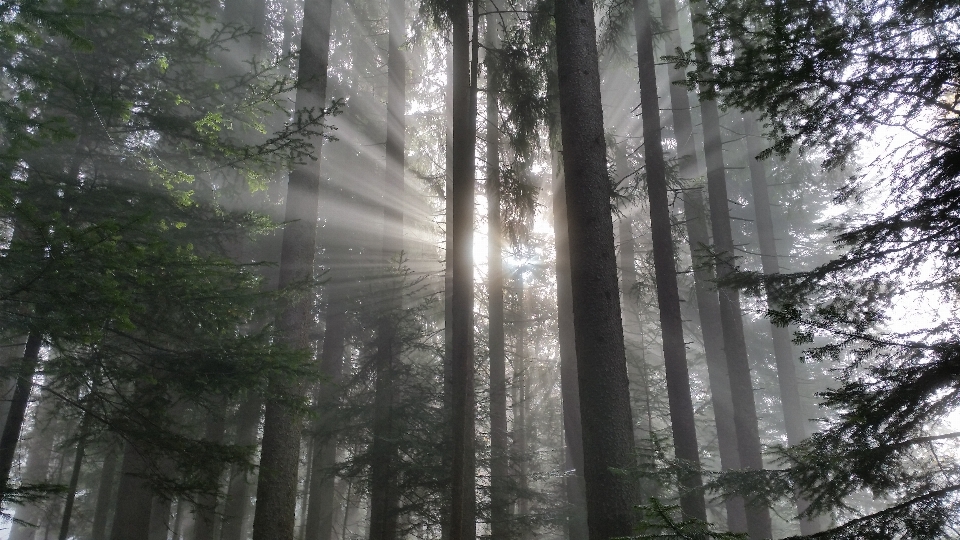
<point>280,450</point>
<point>520,409</point>
<point>159,518</point>
<point>601,363</point>
<point>499,472</point>
<point>74,477</point>
<point>793,416</point>
<point>463,89</point>
<point>569,393</point>
<point>731,319</point>
<point>206,521</point>
<point>668,294</point>
<point>105,492</point>
<point>384,473</point>
<point>18,409</point>
<point>708,303</point>
<point>40,448</point>
<point>131,519</point>
<point>238,499</point>
<point>12,353</point>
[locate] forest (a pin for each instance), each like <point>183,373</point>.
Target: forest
<point>462,269</point>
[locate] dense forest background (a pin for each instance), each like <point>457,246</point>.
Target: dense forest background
<point>283,269</point>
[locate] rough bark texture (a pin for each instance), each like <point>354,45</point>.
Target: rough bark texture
<point>238,492</point>
<point>601,368</point>
<point>18,409</point>
<point>384,470</point>
<point>463,482</point>
<point>735,348</point>
<point>280,450</point>
<point>40,449</point>
<point>668,295</point>
<point>499,472</point>
<point>570,394</point>
<point>793,418</point>
<point>131,519</point>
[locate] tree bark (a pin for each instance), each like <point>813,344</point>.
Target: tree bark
<point>731,319</point>
<point>74,477</point>
<point>601,364</point>
<point>105,492</point>
<point>463,89</point>
<point>384,473</point>
<point>18,409</point>
<point>131,519</point>
<point>668,294</point>
<point>206,521</point>
<point>319,525</point>
<point>793,417</point>
<point>280,450</point>
<point>569,393</point>
<point>708,303</point>
<point>238,491</point>
<point>38,464</point>
<point>159,518</point>
<point>499,472</point>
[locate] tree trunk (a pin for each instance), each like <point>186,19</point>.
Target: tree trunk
<point>159,518</point>
<point>708,304</point>
<point>40,449</point>
<point>280,450</point>
<point>601,364</point>
<point>731,319</point>
<point>105,492</point>
<point>238,492</point>
<point>384,473</point>
<point>74,477</point>
<point>668,295</point>
<point>131,519</point>
<point>463,89</point>
<point>499,472</point>
<point>570,395</point>
<point>206,521</point>
<point>18,409</point>
<point>520,409</point>
<point>12,353</point>
<point>793,416</point>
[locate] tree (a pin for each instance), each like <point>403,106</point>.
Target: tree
<point>601,364</point>
<point>828,77</point>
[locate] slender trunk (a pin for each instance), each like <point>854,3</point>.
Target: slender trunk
<point>520,407</point>
<point>384,474</point>
<point>447,452</point>
<point>105,492</point>
<point>18,409</point>
<point>206,521</point>
<point>668,294</point>
<point>570,395</point>
<point>731,319</point>
<point>131,519</point>
<point>280,449</point>
<point>238,499</point>
<point>708,303</point>
<point>602,374</point>
<point>319,525</point>
<point>463,89</point>
<point>793,416</point>
<point>178,519</point>
<point>74,477</point>
<point>40,445</point>
<point>499,472</point>
<point>12,353</point>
